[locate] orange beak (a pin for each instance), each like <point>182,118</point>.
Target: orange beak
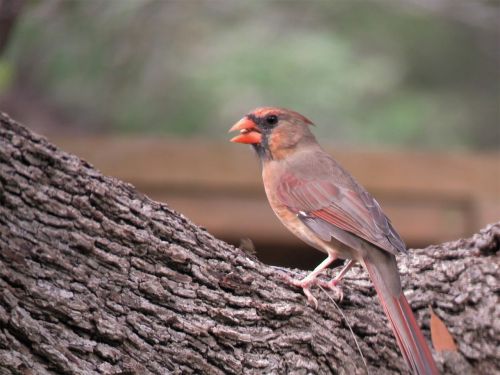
<point>249,133</point>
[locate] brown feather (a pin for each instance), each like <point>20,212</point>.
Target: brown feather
<point>314,183</point>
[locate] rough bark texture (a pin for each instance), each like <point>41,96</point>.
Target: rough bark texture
<point>97,278</point>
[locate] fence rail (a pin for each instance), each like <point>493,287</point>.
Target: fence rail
<point>430,197</point>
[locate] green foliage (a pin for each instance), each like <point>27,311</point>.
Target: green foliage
<point>5,75</point>
<point>364,73</point>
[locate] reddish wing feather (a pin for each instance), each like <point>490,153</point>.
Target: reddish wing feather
<point>353,211</point>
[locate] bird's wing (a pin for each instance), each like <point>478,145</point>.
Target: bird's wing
<point>329,208</point>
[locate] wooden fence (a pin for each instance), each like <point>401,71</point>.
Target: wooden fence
<point>430,197</point>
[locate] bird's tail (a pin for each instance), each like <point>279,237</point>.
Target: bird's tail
<point>411,341</point>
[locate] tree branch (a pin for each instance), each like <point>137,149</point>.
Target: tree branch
<point>97,278</point>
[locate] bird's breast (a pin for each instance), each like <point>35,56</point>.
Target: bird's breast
<point>291,221</point>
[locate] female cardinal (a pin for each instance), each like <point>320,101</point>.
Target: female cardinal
<point>322,204</point>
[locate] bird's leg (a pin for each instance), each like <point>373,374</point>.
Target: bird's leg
<point>311,279</point>
<point>335,281</point>
<point>342,272</point>
<point>333,284</point>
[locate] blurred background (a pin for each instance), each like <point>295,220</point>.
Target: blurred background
<point>404,93</point>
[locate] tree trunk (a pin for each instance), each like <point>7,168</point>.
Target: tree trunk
<point>97,278</point>
<point>10,10</point>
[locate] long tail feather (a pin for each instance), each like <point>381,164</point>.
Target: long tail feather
<point>409,337</point>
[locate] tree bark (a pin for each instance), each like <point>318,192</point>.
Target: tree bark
<point>97,278</point>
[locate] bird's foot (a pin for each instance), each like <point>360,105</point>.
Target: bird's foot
<point>305,284</point>
<point>308,282</point>
<point>333,285</point>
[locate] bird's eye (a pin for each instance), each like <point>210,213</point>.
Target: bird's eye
<point>271,119</point>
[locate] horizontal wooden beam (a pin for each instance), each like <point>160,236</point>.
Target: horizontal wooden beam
<point>430,197</point>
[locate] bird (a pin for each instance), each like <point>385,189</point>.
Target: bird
<point>322,204</point>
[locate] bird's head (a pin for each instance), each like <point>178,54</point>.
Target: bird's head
<point>273,132</point>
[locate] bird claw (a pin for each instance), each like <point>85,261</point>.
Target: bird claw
<point>307,284</point>
<point>333,286</point>
<point>306,289</point>
<point>311,300</point>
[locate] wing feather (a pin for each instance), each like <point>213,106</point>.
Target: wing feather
<point>352,209</point>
